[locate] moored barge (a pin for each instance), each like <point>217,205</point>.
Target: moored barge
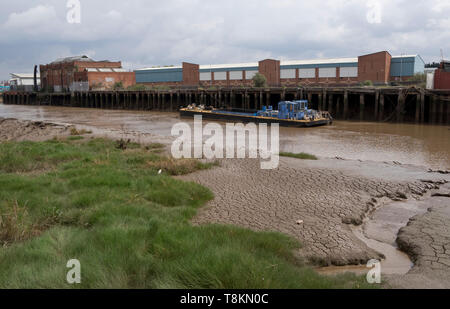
<point>289,114</point>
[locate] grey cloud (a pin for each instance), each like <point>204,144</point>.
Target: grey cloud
<point>144,33</point>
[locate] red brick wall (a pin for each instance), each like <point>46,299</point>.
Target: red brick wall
<point>271,70</point>
<point>226,83</point>
<point>191,75</point>
<point>168,84</point>
<point>375,67</point>
<point>441,79</point>
<point>127,78</point>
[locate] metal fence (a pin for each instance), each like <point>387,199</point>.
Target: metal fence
<point>24,88</point>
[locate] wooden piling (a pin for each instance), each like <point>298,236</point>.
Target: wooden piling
<point>441,112</point>
<point>345,104</point>
<point>362,106</point>
<point>381,113</point>
<point>377,102</point>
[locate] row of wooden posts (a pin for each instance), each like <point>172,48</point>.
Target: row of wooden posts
<point>373,104</point>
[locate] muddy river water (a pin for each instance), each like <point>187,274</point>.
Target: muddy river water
<point>421,145</point>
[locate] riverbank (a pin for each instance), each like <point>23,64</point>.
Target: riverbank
<point>318,203</point>
<point>115,207</point>
<point>329,197</point>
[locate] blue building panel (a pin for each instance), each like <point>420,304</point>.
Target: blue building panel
<point>419,66</point>
<point>159,76</point>
<point>407,66</point>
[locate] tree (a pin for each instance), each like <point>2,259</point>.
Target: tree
<point>259,80</point>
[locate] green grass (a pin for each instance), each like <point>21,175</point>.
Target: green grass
<point>302,156</point>
<point>128,225</point>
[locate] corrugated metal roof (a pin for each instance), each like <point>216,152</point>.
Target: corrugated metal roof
<point>24,75</point>
<point>406,56</point>
<point>159,68</point>
<point>319,61</point>
<point>229,66</point>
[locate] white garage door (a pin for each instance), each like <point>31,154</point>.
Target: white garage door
<point>288,73</point>
<point>205,75</point>
<point>307,73</point>
<point>349,72</point>
<point>327,72</point>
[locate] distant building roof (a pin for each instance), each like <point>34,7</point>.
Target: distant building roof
<point>160,68</point>
<point>406,56</point>
<point>319,61</point>
<point>72,59</point>
<point>229,66</point>
<point>24,75</point>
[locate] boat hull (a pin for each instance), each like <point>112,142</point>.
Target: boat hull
<point>246,119</point>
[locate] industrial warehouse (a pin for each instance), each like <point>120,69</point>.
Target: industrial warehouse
<point>379,68</point>
<point>337,86</point>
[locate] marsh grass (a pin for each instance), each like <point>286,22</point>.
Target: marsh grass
<point>302,155</point>
<point>128,225</point>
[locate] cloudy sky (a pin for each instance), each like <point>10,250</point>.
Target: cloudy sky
<point>144,33</point>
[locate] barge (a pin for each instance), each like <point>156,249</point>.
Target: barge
<point>289,114</point>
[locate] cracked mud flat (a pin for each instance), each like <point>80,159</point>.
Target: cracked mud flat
<point>330,196</point>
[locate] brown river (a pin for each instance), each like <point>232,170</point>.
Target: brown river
<point>422,145</point>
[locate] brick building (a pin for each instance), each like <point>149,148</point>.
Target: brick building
<point>442,76</point>
<point>378,67</point>
<point>63,74</point>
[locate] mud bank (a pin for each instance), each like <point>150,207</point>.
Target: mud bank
<point>426,239</point>
<point>319,203</point>
<point>329,197</point>
<point>21,130</point>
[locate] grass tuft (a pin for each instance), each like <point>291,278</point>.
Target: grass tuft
<point>302,156</point>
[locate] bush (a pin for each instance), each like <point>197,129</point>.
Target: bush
<point>259,80</point>
<point>367,83</point>
<point>118,86</point>
<point>137,87</point>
